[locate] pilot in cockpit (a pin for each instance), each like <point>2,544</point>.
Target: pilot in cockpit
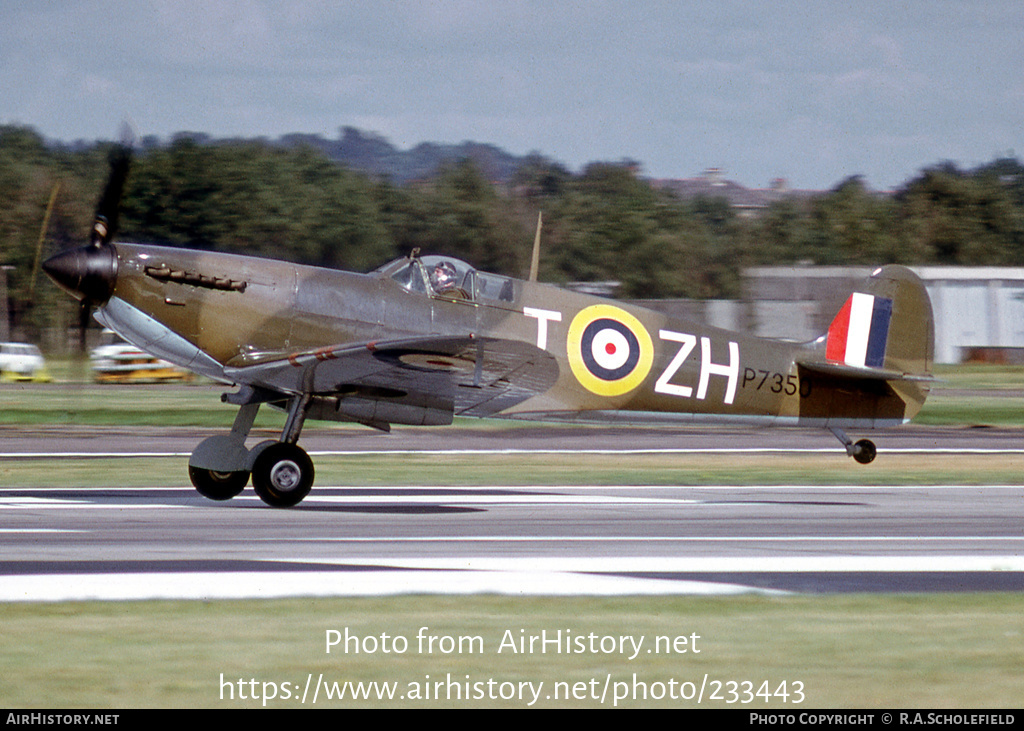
<point>442,277</point>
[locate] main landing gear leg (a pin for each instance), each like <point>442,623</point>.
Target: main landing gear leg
<point>863,451</point>
<point>282,472</point>
<point>218,466</point>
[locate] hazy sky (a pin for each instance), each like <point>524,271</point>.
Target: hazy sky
<point>810,91</point>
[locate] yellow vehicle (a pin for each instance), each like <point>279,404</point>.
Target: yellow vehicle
<point>22,362</point>
<point>117,361</point>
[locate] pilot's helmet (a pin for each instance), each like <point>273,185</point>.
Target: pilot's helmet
<point>443,276</point>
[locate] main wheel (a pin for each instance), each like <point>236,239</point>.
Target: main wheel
<point>864,451</point>
<point>282,475</point>
<point>217,485</point>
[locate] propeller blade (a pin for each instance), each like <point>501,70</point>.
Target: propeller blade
<point>107,211</point>
<point>95,286</point>
<point>84,310</point>
<point>40,242</point>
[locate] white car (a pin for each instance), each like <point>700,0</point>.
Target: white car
<point>116,361</point>
<point>22,362</point>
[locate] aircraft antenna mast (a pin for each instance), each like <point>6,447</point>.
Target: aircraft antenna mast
<point>535,259</point>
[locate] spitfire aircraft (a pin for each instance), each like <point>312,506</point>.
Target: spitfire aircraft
<point>426,338</point>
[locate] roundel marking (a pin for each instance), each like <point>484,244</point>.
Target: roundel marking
<point>610,351</point>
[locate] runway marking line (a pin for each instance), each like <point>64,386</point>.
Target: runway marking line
<point>513,451</point>
<point>271,585</point>
<point>699,564</point>
<point>538,487</point>
<point>529,576</point>
<point>635,539</point>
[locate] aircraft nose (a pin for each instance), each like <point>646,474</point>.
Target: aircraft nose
<point>88,273</point>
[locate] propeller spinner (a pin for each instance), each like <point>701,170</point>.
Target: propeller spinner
<point>87,273</point>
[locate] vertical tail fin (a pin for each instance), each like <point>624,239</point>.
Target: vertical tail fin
<point>873,367</point>
<point>886,324</point>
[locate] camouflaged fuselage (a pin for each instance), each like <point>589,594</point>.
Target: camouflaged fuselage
<point>613,360</point>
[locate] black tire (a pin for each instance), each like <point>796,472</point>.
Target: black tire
<point>282,475</point>
<point>217,485</point>
<point>864,451</point>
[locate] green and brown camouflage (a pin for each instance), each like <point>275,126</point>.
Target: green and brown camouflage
<point>389,347</point>
<point>424,339</point>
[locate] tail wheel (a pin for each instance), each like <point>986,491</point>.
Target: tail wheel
<point>217,485</point>
<point>864,451</point>
<point>282,475</point>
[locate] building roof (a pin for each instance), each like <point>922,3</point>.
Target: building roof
<point>713,184</point>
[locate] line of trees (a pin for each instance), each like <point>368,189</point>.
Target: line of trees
<point>604,223</point>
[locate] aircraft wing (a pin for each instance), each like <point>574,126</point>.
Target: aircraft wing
<point>459,375</point>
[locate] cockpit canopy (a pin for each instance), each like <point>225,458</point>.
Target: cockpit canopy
<point>447,277</point>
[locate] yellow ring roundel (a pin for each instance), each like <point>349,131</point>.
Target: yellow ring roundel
<point>610,351</point>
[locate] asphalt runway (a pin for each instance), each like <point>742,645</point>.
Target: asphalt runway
<point>134,543</point>
<point>490,436</point>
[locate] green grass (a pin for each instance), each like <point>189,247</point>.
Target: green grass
<point>976,376</point>
<point>118,405</point>
<point>943,410</point>
<point>936,651</point>
<point>951,402</point>
<point>976,395</point>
